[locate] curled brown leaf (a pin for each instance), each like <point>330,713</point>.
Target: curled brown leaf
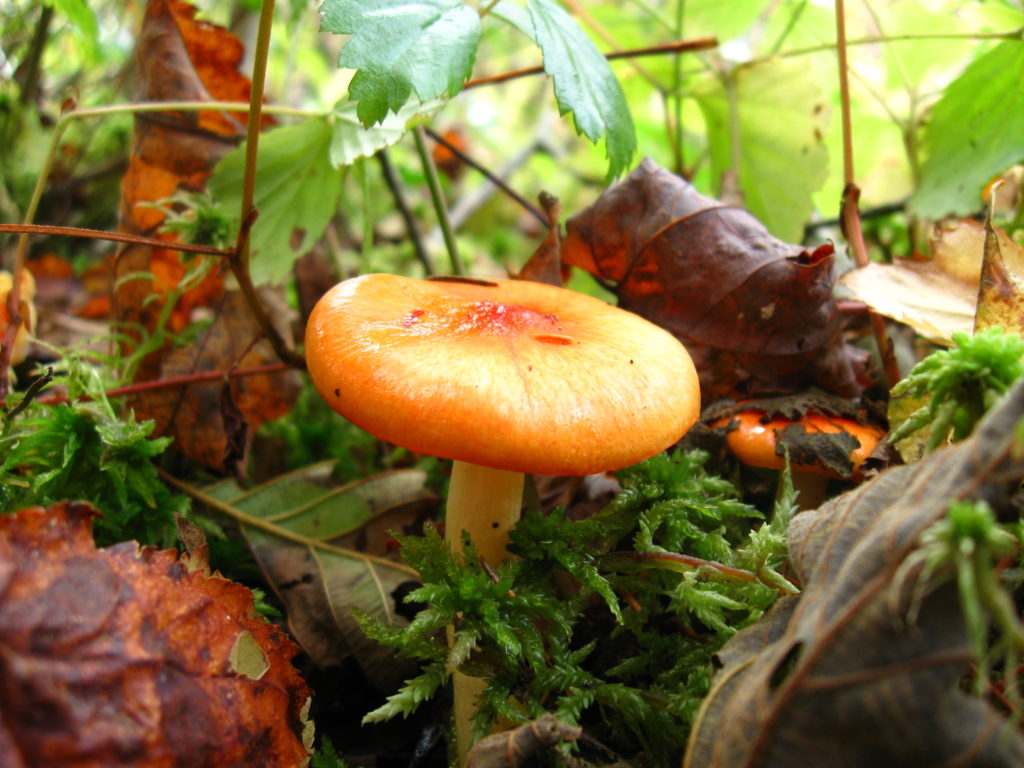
<point>124,657</point>
<point>863,668</point>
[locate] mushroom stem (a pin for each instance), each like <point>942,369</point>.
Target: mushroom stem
<point>485,502</point>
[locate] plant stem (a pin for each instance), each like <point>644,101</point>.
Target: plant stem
<point>175,381</point>
<point>851,196</point>
<point>391,179</point>
<point>437,197</point>
<point>364,187</point>
<point>677,46</point>
<point>117,237</point>
<point>30,65</point>
<point>252,139</point>
<point>492,177</point>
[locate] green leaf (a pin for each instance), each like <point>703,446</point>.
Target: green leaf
<point>297,192</point>
<point>319,574</point>
<point>584,83</point>
<point>351,141</point>
<point>782,158</point>
<point>83,19</point>
<point>398,48</point>
<point>976,130</point>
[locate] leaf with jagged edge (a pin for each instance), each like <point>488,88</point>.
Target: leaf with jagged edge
<point>321,581</point>
<point>426,47</point>
<point>584,83</point>
<point>297,191</point>
<point>974,132</point>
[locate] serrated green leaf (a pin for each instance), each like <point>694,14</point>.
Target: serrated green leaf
<point>426,47</point>
<point>516,15</point>
<point>351,141</point>
<point>782,157</point>
<point>297,192</point>
<point>584,83</point>
<point>976,131</point>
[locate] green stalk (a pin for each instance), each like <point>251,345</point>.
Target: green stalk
<point>259,76</point>
<point>437,197</point>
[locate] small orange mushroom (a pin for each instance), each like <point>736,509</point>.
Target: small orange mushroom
<point>756,438</point>
<point>27,310</point>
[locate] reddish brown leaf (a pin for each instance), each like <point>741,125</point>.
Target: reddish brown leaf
<point>714,276</point>
<point>194,414</point>
<point>123,657</point>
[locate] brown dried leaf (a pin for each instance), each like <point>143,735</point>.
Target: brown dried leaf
<point>1001,289</point>
<point>178,59</point>
<point>194,415</point>
<point>123,657</point>
<point>862,669</point>
<point>715,277</point>
<point>545,265</point>
<point>936,297</point>
<point>939,296</point>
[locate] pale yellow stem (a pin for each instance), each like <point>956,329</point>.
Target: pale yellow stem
<point>486,502</point>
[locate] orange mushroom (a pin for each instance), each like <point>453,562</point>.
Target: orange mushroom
<point>756,438</point>
<point>27,310</point>
<point>505,377</point>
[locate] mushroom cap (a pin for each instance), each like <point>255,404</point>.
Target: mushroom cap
<point>507,374</point>
<point>752,438</point>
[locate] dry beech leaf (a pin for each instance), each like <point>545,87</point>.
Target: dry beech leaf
<point>124,657</point>
<point>510,749</point>
<point>194,415</point>
<point>916,293</point>
<point>716,278</point>
<point>320,587</point>
<point>1001,289</point>
<point>863,668</point>
<point>939,296</point>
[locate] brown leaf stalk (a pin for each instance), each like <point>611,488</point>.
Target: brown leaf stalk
<point>117,237</point>
<point>677,46</point>
<point>174,381</point>
<point>849,212</point>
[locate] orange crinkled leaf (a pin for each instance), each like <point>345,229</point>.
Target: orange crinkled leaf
<point>123,657</point>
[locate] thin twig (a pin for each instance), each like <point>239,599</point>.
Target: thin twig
<point>851,198</point>
<point>583,15</point>
<point>252,298</point>
<point>489,175</point>
<point>174,382</point>
<point>30,64</point>
<point>678,46</point>
<point>33,389</point>
<point>391,179</point>
<point>117,237</point>
<point>252,138</point>
<point>688,562</point>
